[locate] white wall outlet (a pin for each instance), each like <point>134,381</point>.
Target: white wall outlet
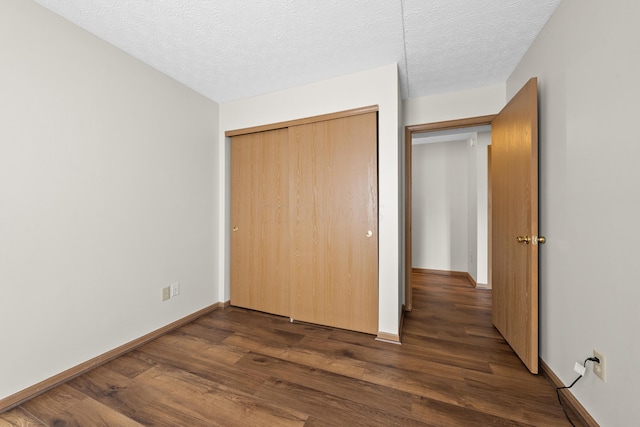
<point>166,293</point>
<point>175,289</point>
<point>600,368</point>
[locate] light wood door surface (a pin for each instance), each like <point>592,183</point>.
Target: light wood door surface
<point>260,253</point>
<point>514,209</point>
<point>334,237</point>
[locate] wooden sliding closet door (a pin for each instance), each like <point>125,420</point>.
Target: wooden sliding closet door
<point>334,239</point>
<point>260,253</point>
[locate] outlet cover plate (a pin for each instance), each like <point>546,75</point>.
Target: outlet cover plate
<point>166,293</point>
<point>600,368</point>
<point>175,289</point>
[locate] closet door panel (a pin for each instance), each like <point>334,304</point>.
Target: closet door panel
<point>334,216</point>
<point>260,252</point>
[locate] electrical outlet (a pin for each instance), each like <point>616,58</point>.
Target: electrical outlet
<point>600,368</point>
<point>166,293</point>
<point>175,289</point>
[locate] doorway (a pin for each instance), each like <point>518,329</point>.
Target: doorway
<point>438,131</point>
<point>513,213</point>
<point>450,203</point>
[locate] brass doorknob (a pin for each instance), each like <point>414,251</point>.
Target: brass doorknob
<point>369,233</point>
<point>535,239</point>
<point>235,229</point>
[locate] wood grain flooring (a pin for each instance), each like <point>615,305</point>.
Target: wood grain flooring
<point>235,367</point>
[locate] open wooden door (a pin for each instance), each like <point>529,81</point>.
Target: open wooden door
<point>514,223</point>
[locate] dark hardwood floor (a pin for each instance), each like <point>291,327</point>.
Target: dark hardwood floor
<point>235,367</point>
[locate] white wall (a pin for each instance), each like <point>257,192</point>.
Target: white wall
<point>471,254</point>
<point>440,206</point>
<point>587,62</point>
<point>106,194</point>
<point>378,86</point>
<point>401,204</point>
<point>482,205</point>
<point>454,105</point>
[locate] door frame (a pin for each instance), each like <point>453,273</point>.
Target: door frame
<point>408,136</point>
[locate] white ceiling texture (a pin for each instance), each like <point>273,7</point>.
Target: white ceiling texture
<point>233,49</point>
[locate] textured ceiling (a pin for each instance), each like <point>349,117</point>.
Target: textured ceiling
<point>234,49</point>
